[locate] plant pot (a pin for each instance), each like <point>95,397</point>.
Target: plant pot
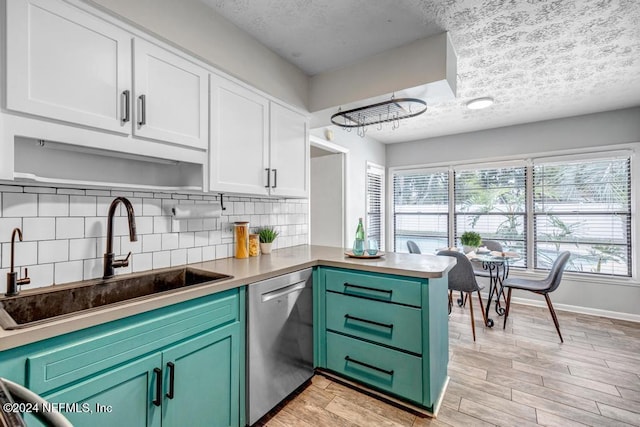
<point>265,248</point>
<point>466,249</point>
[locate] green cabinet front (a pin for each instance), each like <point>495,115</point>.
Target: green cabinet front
<point>175,366</point>
<point>385,331</point>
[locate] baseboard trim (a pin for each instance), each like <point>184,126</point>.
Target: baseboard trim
<point>580,310</point>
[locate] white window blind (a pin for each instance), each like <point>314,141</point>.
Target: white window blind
<point>584,207</point>
<point>375,204</point>
<point>421,210</point>
<point>492,202</point>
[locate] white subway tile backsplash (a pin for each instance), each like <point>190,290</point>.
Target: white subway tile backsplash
<point>82,206</point>
<point>6,228</point>
<point>151,242</point>
<point>201,238</point>
<point>82,249</point>
<point>161,224</point>
<point>53,251</point>
<point>142,262</point>
<point>162,259</point>
<point>170,241</point>
<point>95,227</point>
<point>92,268</point>
<point>65,272</point>
<point>26,253</point>
<point>186,240</point>
<point>38,229</point>
<point>53,205</point>
<point>19,205</point>
<point>65,229</point>
<point>194,255</point>
<point>178,257</point>
<point>41,275</point>
<point>69,228</point>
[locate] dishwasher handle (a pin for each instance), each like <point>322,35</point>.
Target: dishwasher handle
<point>280,292</point>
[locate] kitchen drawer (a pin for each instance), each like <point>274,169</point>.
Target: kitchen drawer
<point>389,324</point>
<point>380,367</point>
<point>395,289</point>
<point>127,339</point>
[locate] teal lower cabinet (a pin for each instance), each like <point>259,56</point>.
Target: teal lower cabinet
<point>175,366</point>
<point>386,332</point>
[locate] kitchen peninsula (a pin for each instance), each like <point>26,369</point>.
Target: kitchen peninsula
<point>405,358</point>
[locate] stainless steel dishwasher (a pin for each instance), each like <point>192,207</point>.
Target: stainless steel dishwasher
<point>280,340</point>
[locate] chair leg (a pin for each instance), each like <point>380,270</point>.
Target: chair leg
<point>450,301</point>
<point>473,323</point>
<point>553,315</point>
<point>484,315</point>
<point>506,309</point>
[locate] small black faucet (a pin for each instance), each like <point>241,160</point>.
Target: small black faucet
<point>12,276</point>
<point>109,262</point>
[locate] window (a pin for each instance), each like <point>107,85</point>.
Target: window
<point>421,210</point>
<point>375,204</point>
<point>584,207</point>
<point>581,204</point>
<point>492,203</point>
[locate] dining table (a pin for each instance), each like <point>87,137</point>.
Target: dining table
<point>497,265</point>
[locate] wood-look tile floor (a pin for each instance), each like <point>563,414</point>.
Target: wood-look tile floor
<point>521,376</point>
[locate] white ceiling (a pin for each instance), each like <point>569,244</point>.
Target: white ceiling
<point>539,59</point>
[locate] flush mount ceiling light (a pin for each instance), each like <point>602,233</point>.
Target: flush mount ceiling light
<point>391,111</point>
<point>480,103</point>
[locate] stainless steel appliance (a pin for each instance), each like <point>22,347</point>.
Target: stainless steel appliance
<point>280,340</point>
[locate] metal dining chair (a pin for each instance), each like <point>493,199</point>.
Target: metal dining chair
<point>542,287</point>
<point>413,247</point>
<point>461,278</point>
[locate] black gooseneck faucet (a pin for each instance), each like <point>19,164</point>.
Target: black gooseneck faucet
<point>12,276</point>
<point>110,264</point>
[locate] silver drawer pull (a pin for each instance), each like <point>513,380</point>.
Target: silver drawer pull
<point>366,365</point>
<point>366,288</point>
<point>372,322</point>
<point>280,292</point>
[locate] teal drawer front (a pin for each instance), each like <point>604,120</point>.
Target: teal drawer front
<point>129,338</point>
<point>383,288</point>
<point>388,370</point>
<point>389,324</point>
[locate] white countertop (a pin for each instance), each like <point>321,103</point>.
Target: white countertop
<point>244,272</point>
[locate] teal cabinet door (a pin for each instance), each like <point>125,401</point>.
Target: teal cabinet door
<point>202,381</point>
<point>121,396</point>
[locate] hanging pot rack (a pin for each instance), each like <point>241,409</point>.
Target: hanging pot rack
<point>391,111</point>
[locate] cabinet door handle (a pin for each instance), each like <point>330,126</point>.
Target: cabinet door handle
<point>275,178</point>
<point>158,400</point>
<point>372,322</point>
<point>366,365</point>
<point>351,285</point>
<point>142,110</point>
<point>268,178</point>
<point>172,369</point>
<point>125,106</point>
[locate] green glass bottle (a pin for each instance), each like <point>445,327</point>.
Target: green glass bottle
<point>358,243</point>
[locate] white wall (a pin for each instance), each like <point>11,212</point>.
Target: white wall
<point>620,297</point>
<point>325,200</point>
<point>361,150</point>
<point>192,26</point>
<point>592,130</point>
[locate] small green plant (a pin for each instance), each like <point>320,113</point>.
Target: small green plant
<point>470,238</point>
<point>267,234</point>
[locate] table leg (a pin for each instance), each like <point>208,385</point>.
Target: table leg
<point>492,288</point>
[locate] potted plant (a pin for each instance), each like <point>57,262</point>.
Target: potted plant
<point>267,236</point>
<point>470,241</point>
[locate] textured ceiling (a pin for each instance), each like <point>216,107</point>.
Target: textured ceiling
<point>539,59</point>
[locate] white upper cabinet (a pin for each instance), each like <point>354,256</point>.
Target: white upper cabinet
<point>66,64</point>
<point>257,146</point>
<point>170,97</point>
<point>239,151</point>
<point>289,158</point>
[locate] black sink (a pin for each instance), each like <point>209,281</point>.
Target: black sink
<point>47,304</point>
